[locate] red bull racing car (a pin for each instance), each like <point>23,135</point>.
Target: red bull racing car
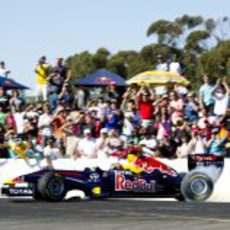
<point>149,178</point>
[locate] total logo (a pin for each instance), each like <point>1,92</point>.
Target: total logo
<point>135,185</point>
<point>20,191</point>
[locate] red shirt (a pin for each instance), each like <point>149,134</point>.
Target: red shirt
<point>146,109</point>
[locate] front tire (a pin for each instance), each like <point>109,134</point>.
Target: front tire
<point>52,187</point>
<point>196,186</point>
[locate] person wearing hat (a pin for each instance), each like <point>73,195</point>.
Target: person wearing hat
<point>87,147</point>
<point>102,144</point>
<point>216,145</point>
<point>42,70</point>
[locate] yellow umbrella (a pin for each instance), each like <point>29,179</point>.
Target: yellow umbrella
<point>158,78</point>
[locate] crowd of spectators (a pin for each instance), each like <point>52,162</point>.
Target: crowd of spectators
<point>110,121</point>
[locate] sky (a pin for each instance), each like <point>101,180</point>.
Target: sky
<point>30,29</point>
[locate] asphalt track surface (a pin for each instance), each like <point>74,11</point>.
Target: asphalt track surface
<point>112,214</point>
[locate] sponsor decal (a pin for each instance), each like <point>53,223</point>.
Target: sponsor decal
<point>135,185</point>
<point>150,169</point>
<point>20,191</point>
<point>94,177</point>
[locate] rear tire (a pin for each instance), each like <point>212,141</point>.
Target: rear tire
<point>51,187</point>
<point>196,186</point>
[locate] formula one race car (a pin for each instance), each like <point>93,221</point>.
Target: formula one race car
<point>149,178</point>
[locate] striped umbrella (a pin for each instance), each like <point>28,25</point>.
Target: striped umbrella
<point>158,78</point>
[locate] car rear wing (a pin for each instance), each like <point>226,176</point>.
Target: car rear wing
<point>201,160</point>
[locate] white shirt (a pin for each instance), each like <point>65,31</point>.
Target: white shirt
<point>183,150</point>
<point>52,153</point>
<point>44,123</point>
<point>162,67</point>
<point>212,120</point>
<point>181,90</point>
<point>20,123</point>
<point>161,90</point>
<point>128,127</point>
<point>200,146</point>
<point>149,143</point>
<point>4,72</point>
<point>102,147</point>
<point>175,67</point>
<point>221,105</point>
<point>87,148</point>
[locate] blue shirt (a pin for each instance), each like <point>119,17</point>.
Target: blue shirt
<point>217,147</point>
<point>206,94</point>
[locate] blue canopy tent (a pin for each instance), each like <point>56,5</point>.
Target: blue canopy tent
<point>8,84</point>
<point>101,77</point>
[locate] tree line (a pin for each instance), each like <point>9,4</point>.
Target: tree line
<point>201,45</point>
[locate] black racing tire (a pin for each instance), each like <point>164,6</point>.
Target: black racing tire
<point>180,196</point>
<point>37,195</point>
<point>51,187</point>
<point>196,186</point>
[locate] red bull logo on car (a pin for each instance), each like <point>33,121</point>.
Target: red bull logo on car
<point>135,185</point>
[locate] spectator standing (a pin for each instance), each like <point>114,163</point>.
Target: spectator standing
<point>174,65</point>
<point>60,75</point>
<point>53,100</point>
<point>3,147</point>
<point>42,71</point>
<point>216,144</point>
<point>144,101</point>
<point>80,98</point>
<point>4,101</point>
<point>205,94</point>
<point>3,71</point>
<point>65,96</point>
<point>161,66</point>
<point>112,92</point>
<point>44,124</point>
<point>20,122</point>
<point>191,108</point>
<point>2,116</point>
<point>221,97</point>
<point>15,100</point>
